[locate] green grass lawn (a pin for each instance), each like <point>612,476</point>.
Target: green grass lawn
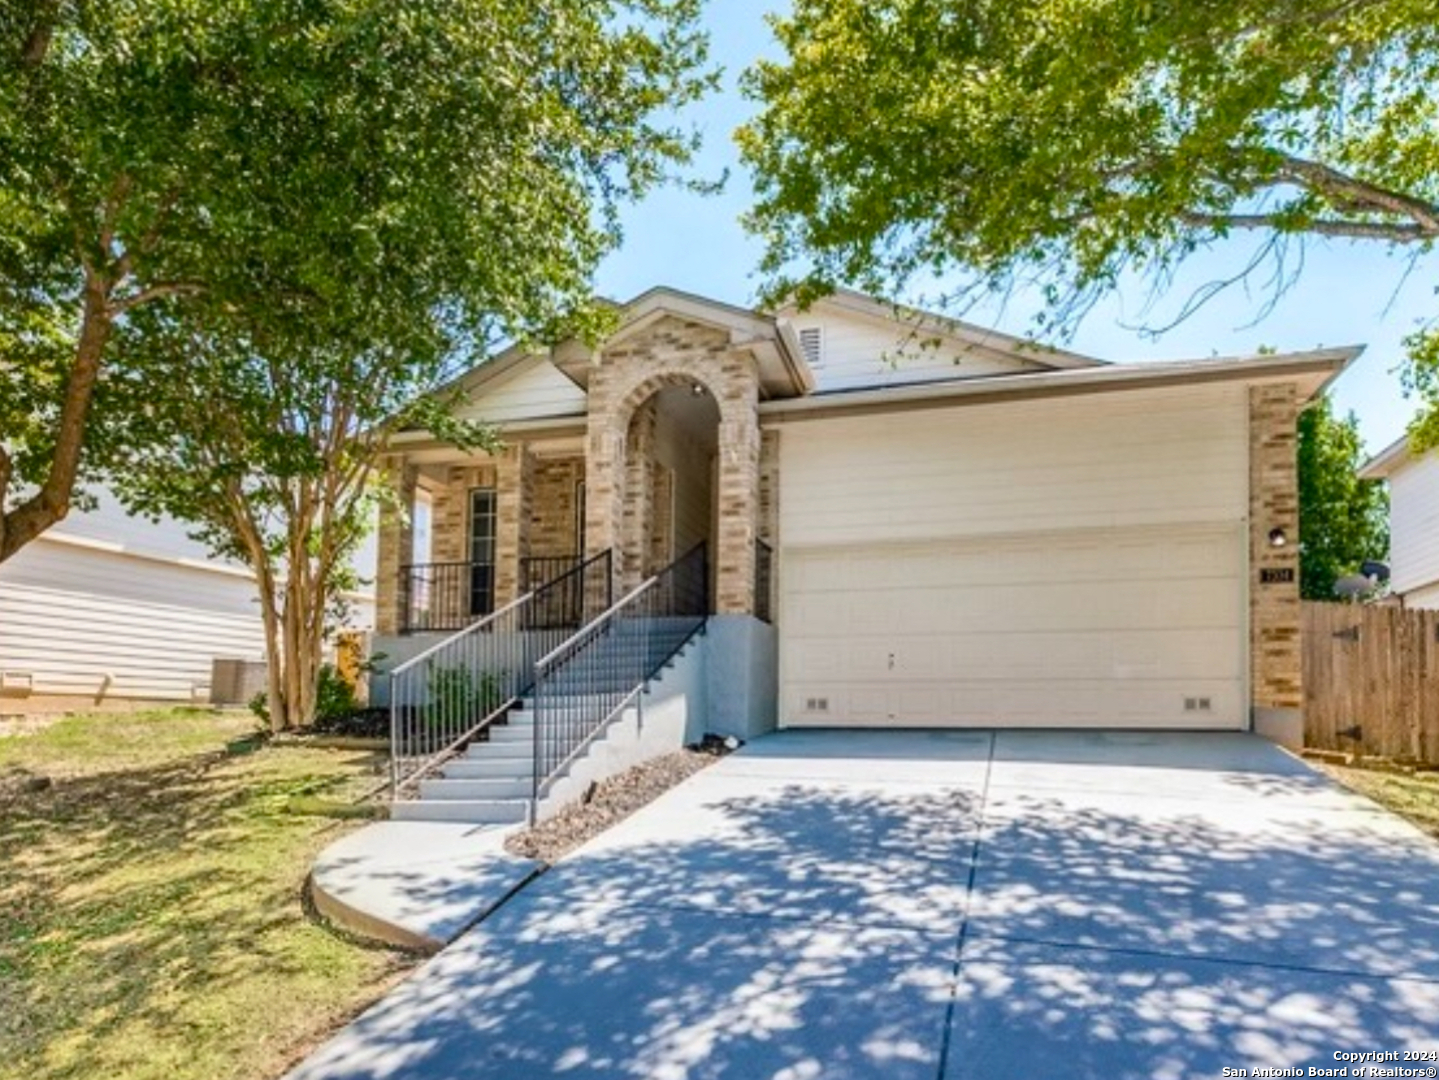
<point>1414,796</point>
<point>151,923</point>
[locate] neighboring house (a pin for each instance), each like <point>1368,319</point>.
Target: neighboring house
<point>965,530</point>
<point>1413,521</point>
<point>108,607</point>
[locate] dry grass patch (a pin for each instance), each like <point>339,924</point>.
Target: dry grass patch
<point>1411,795</point>
<point>151,924</point>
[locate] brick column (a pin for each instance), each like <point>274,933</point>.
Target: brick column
<point>1276,660</point>
<point>514,492</point>
<point>637,501</point>
<point>395,543</point>
<point>738,508</point>
<point>769,488</point>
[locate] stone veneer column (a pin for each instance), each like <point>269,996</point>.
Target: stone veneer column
<point>1276,660</point>
<point>769,487</point>
<point>514,491</point>
<point>637,500</point>
<point>395,544</point>
<point>738,508</point>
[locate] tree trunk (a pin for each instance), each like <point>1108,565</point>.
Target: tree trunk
<point>52,502</point>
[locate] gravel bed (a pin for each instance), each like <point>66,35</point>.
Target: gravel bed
<point>610,802</point>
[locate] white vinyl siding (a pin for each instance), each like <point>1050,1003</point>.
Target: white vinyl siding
<point>1427,597</point>
<point>1148,457</point>
<point>86,622</point>
<point>110,528</point>
<point>1414,525</point>
<point>857,351</point>
<point>106,602</point>
<point>534,390</point>
<point>1072,562</point>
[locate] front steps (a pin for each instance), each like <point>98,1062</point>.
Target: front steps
<point>492,782</point>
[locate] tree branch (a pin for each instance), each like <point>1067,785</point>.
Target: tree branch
<point>155,292</point>
<point>1351,194</point>
<point>42,32</point>
<point>1359,230</point>
<point>52,502</point>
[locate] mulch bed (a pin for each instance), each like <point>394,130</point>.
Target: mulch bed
<point>611,801</point>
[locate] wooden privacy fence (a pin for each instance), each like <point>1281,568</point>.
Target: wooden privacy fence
<point>1371,680</point>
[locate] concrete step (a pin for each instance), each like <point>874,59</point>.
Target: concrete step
<point>498,751</point>
<point>486,767</point>
<point>481,790</point>
<point>505,733</point>
<point>473,811</point>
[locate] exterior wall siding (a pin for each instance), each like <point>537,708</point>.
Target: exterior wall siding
<point>1113,461</point>
<point>1414,525</point>
<point>104,625</point>
<point>860,351</point>
<point>535,389</point>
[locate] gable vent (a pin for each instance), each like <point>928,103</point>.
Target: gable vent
<point>811,343</point>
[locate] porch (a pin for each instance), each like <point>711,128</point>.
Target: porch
<point>472,533</point>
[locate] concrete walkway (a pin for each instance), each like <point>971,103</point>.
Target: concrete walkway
<point>938,906</point>
<point>418,884</point>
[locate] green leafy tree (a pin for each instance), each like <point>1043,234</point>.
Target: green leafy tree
<point>1065,142</point>
<point>242,241</point>
<point>1343,520</point>
<point>288,172</point>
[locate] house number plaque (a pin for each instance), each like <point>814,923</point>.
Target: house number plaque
<point>1276,575</point>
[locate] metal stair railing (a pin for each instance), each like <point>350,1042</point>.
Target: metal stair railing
<point>582,684</point>
<point>442,699</point>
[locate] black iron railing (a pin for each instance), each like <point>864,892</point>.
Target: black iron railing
<point>763,581</point>
<point>564,605</point>
<point>581,685</point>
<point>445,596</point>
<point>538,570</point>
<point>442,698</point>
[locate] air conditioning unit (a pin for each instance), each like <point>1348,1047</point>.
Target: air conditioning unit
<point>236,682</point>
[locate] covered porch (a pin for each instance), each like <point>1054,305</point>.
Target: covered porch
<point>472,533</point>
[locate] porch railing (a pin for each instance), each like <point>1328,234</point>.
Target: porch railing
<point>763,581</point>
<point>444,596</point>
<point>583,683</point>
<point>537,570</point>
<point>563,605</point>
<point>443,698</point>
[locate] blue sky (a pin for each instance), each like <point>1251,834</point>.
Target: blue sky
<point>1347,294</point>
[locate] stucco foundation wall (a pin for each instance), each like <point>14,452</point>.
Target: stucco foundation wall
<point>743,676</point>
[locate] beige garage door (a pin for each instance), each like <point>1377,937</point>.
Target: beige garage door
<point>1092,628</point>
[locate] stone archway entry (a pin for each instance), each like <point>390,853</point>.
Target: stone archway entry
<point>685,384</point>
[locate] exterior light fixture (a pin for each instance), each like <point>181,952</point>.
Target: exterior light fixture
<point>697,390</point>
<point>1278,538</point>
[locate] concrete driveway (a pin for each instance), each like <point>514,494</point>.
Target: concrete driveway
<point>942,906</point>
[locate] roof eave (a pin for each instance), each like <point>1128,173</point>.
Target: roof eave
<point>1323,362</point>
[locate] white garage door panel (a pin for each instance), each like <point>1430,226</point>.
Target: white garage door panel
<point>1084,629</point>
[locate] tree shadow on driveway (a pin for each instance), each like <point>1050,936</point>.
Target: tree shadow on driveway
<point>846,930</point>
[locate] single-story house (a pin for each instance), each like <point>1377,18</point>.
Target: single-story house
<point>1413,521</point>
<point>910,521</point>
<point>107,607</point>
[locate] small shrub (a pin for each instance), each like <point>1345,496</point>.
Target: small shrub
<point>456,691</point>
<point>260,706</point>
<point>334,698</point>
